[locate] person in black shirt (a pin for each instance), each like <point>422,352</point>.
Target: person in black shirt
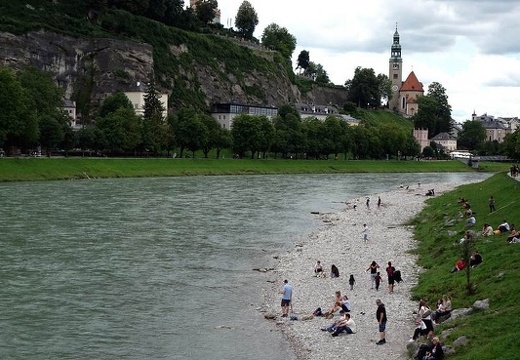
<point>381,318</point>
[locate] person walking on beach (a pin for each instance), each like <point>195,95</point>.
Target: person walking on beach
<point>390,273</point>
<point>378,201</point>
<point>491,204</point>
<point>351,282</point>
<point>373,272</point>
<point>286,298</point>
<point>365,233</point>
<point>368,203</point>
<point>381,319</point>
<point>378,280</point>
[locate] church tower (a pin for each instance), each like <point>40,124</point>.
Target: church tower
<point>395,71</point>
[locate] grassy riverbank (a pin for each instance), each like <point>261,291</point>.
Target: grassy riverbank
<point>492,333</point>
<point>34,169</point>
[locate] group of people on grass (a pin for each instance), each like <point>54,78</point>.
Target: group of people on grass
<point>425,321</point>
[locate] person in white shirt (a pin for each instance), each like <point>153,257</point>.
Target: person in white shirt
<point>504,227</point>
<point>318,269</point>
<point>348,325</point>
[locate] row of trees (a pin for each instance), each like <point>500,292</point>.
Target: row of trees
<point>32,117</point>
<point>252,135</point>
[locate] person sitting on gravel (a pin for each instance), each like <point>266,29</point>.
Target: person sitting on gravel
<point>334,271</point>
<point>342,304</point>
<point>332,327</point>
<point>459,265</point>
<point>348,325</point>
<point>318,269</point>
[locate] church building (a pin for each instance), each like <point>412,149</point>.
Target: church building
<point>404,93</point>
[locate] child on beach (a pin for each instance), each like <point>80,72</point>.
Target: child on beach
<point>365,233</point>
<point>351,282</point>
<point>377,279</point>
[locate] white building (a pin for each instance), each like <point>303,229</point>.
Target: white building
<point>226,112</point>
<point>136,97</point>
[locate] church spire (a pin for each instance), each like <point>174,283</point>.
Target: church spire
<point>396,47</point>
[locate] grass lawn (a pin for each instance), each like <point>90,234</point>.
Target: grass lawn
<point>34,169</point>
<point>492,333</point>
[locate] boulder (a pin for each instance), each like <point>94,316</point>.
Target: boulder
<point>481,304</point>
<point>456,313</point>
<point>462,341</point>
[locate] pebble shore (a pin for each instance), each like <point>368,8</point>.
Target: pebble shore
<point>341,243</point>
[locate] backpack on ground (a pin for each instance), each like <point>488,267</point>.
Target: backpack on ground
<point>397,276</point>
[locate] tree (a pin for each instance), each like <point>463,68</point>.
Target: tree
<point>511,145</point>
<point>434,111</point>
<point>472,136</point>
<point>190,131</point>
<point>45,99</point>
<point>173,14</point>
<point>288,133</point>
<point>322,77</point>
<point>113,103</point>
<point>212,134</point>
<point>206,10</point>
<point>121,129</point>
<point>385,86</point>
<point>364,89</point>
<point>303,60</point>
<point>428,152</point>
<point>278,38</point>
<point>154,126</point>
<point>251,133</point>
<point>312,132</point>
<point>17,123</point>
<point>246,20</point>
<point>317,73</point>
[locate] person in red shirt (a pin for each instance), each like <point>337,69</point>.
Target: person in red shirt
<point>459,265</point>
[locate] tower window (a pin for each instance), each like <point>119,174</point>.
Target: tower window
<point>395,76</point>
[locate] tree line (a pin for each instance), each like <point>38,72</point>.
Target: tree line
<point>32,117</point>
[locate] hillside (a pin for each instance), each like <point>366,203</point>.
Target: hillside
<point>92,58</point>
<point>490,332</point>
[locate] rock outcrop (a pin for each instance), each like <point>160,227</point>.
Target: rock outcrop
<point>93,68</point>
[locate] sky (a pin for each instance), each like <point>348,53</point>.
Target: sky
<point>470,47</point>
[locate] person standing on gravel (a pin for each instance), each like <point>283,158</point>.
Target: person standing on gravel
<point>286,297</point>
<point>365,233</point>
<point>381,319</point>
<point>373,272</point>
<point>390,273</point>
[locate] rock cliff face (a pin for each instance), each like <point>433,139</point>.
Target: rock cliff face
<point>102,65</point>
<point>94,68</point>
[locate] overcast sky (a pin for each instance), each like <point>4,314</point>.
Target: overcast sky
<point>468,46</point>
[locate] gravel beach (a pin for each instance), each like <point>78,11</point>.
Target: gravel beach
<point>341,243</point>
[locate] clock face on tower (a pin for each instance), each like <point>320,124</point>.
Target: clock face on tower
<point>394,88</point>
